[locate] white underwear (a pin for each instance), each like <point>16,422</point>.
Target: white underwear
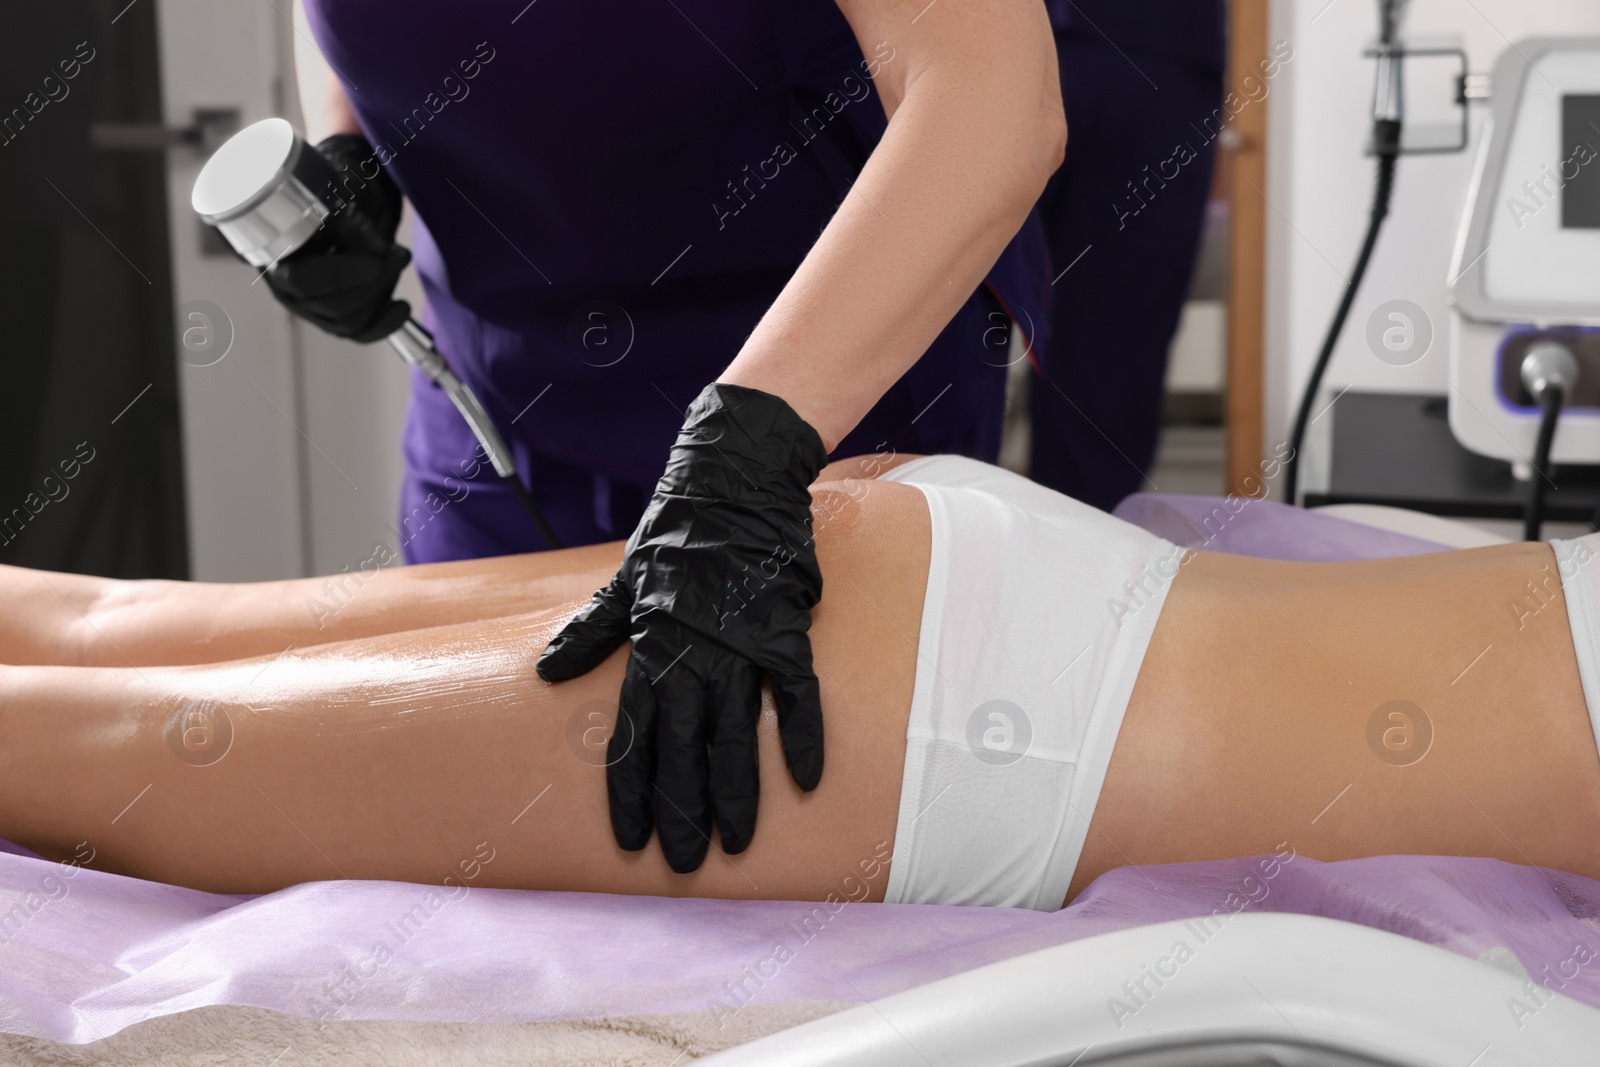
<point>1036,619</point>
<point>1576,562</point>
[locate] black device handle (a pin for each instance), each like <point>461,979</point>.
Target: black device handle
<point>346,228</point>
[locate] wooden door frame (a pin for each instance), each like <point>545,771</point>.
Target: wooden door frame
<point>1246,182</point>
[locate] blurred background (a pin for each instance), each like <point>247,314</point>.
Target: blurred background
<point>211,436</point>
<point>230,441</point>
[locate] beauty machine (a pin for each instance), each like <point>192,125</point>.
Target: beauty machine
<point>271,196</point>
<point>1525,277</point>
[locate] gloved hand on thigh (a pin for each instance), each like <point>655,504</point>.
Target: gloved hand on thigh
<point>715,589</point>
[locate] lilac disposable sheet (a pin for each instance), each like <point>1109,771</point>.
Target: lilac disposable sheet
<point>1263,528</point>
<point>85,956</point>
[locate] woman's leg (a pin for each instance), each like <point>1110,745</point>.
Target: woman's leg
<point>76,620</point>
<point>1265,717</point>
<point>407,756</point>
<point>1428,705</point>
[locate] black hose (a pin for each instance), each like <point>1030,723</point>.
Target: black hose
<point>1387,137</point>
<point>525,498</point>
<point>1550,401</point>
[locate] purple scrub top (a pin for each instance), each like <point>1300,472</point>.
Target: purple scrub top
<point>610,195</point>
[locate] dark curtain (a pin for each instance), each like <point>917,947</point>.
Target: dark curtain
<point>90,462</point>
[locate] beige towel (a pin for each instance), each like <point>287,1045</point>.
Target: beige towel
<point>226,1036</point>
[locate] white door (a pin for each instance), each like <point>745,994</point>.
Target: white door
<point>291,448</point>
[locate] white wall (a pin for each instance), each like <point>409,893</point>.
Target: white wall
<point>1198,358</point>
<point>242,451</point>
<point>354,395</point>
<point>1319,185</point>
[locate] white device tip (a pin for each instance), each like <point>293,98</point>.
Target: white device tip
<point>243,169</point>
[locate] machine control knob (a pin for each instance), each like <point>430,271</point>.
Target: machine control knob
<point>1549,363</point>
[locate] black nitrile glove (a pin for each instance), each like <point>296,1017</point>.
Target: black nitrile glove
<point>716,588</point>
<point>349,294</point>
<point>344,281</point>
<point>376,199</point>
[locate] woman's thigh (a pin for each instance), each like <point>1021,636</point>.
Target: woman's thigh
<point>402,756</point>
<point>159,623</point>
<point>85,621</point>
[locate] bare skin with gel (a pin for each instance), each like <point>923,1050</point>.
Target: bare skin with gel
<point>408,729</point>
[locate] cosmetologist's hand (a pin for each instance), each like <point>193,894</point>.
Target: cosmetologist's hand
<point>349,291</point>
<point>715,589</point>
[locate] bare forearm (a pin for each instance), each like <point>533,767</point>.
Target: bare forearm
<point>323,103</point>
<point>976,130</point>
<point>337,114</point>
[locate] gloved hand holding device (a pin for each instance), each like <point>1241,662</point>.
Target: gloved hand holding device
<point>348,290</point>
<point>323,229</point>
<point>716,588</point>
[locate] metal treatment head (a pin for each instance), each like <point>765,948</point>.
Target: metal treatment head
<point>257,191</point>
<point>1547,364</point>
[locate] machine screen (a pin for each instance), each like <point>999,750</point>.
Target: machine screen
<point>1580,126</point>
